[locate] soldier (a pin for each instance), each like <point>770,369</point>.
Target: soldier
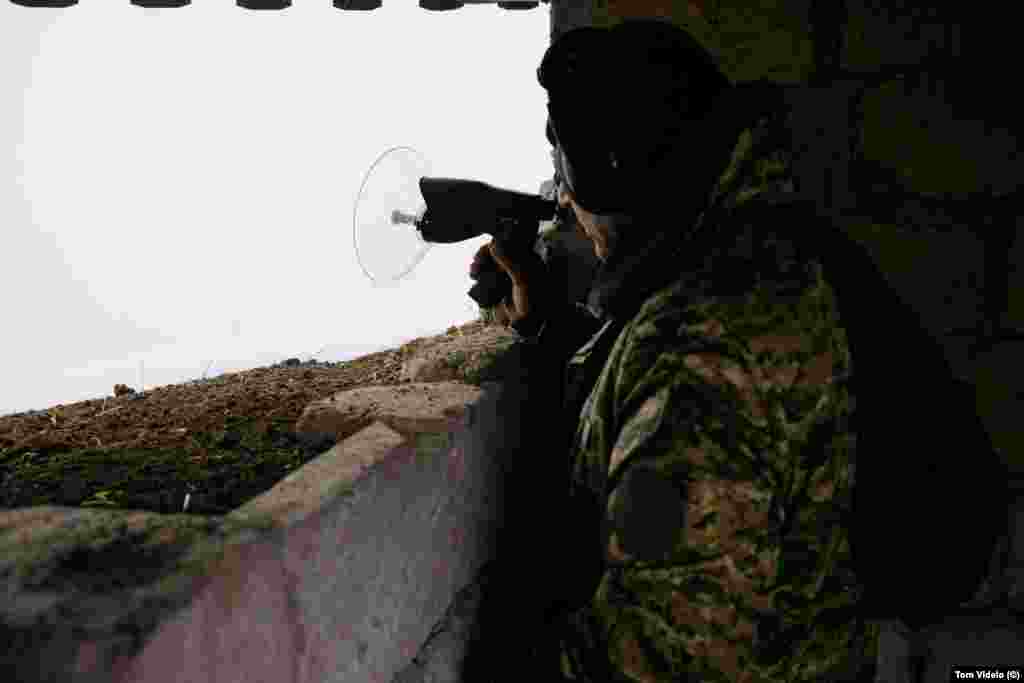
<point>567,254</point>
<point>710,462</point>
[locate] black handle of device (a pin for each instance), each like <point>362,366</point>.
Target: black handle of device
<point>493,283</point>
<point>492,286</point>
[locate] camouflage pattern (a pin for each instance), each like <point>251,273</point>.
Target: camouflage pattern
<point>715,438</point>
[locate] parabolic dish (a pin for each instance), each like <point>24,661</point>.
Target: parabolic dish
<point>388,249</point>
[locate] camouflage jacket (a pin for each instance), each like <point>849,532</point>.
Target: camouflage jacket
<point>712,457</point>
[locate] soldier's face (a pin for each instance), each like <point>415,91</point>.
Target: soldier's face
<point>585,223</point>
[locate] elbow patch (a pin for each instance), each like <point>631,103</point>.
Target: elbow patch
<point>647,515</point>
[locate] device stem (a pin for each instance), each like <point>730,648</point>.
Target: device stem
<point>400,217</point>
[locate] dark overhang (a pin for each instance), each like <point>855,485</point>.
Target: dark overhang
<point>353,5</point>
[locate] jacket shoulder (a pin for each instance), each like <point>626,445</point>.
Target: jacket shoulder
<point>758,276</point>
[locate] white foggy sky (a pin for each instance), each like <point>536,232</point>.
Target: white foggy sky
<point>177,185</point>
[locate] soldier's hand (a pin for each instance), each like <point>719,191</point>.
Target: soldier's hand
<point>527,272</point>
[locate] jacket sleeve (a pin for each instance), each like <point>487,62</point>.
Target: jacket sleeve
<point>566,329</point>
<point>725,470</point>
<point>574,566</point>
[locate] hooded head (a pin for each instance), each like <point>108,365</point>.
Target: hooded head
<point>631,120</point>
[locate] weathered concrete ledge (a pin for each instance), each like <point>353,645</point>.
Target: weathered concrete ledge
<point>338,573</point>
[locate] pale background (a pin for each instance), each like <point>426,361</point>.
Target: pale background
<point>177,185</point>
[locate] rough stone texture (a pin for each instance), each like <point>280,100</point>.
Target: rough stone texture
<point>431,368</point>
<point>122,389</point>
<point>457,359</point>
<point>408,409</point>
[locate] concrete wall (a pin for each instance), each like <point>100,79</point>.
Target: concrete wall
<point>352,591</point>
<point>341,572</point>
